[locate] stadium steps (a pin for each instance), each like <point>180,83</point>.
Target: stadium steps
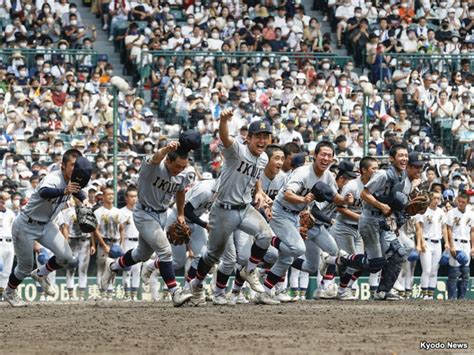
<point>325,26</point>
<point>102,45</point>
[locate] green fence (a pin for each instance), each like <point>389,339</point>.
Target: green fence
<point>76,57</point>
<point>29,292</point>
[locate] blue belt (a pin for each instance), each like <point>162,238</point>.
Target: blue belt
<point>5,239</point>
<point>133,239</point>
<point>226,206</point>
<point>436,241</point>
<point>461,241</point>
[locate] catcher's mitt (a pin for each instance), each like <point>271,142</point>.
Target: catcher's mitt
<point>178,233</point>
<point>306,223</point>
<point>86,219</point>
<point>418,204</point>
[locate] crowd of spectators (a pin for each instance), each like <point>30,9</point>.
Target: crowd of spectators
<point>51,100</point>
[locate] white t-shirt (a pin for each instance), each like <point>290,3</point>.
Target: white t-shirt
<point>460,223</point>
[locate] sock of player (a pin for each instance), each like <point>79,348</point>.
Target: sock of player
<point>355,276</point>
<point>298,263</point>
<point>344,281</point>
<point>167,274</point>
<point>256,255</point>
<point>201,272</point>
<point>13,282</point>
<point>276,242</point>
<point>329,276</point>
<point>123,262</point>
<point>303,292</point>
<point>238,282</point>
<point>431,291</point>
<point>270,281</point>
<point>424,291</point>
<point>50,266</point>
<point>221,282</point>
<point>191,275</point>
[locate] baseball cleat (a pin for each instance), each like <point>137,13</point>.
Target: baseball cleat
<point>238,298</point>
<point>386,296</point>
<point>265,298</point>
<point>180,297</point>
<point>252,279</point>
<point>44,282</point>
<point>283,297</point>
<point>198,295</point>
<point>13,299</point>
<point>145,275</point>
<point>345,295</point>
<point>220,300</point>
<point>328,292</point>
<point>108,277</point>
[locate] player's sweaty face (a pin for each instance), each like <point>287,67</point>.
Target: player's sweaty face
<point>401,159</point>
<point>258,142</point>
<point>414,172</point>
<point>68,168</point>
<point>372,169</point>
<point>276,162</point>
<point>177,166</point>
<point>323,159</point>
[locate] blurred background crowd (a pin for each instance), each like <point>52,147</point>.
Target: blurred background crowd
<point>301,66</point>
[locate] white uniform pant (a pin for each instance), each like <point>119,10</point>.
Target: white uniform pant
<point>6,260</point>
<point>131,278</point>
<point>81,250</point>
<point>430,263</point>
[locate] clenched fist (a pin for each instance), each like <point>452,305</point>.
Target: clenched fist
<point>227,114</point>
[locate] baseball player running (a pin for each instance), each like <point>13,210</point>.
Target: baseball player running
<point>345,230</point>
<point>290,201</point>
<point>430,228</point>
<point>7,217</point>
<point>460,228</point>
<point>35,223</point>
<point>383,249</point>
<point>130,278</point>
<point>82,249</point>
<point>232,209</point>
<point>239,246</point>
<point>160,179</point>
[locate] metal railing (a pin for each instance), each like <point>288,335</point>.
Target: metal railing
<point>220,62</point>
<point>76,57</point>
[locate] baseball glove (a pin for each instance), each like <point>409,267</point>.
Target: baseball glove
<point>86,219</point>
<point>417,205</point>
<point>178,233</point>
<point>306,223</point>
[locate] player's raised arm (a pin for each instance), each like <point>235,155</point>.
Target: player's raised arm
<point>226,116</point>
<point>158,157</point>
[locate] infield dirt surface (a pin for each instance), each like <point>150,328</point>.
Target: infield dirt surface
<point>312,327</point>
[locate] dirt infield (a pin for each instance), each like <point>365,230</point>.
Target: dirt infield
<point>311,327</point>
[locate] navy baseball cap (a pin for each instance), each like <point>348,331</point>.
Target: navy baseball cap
<point>416,159</point>
<point>189,140</point>
<point>259,127</point>
<point>347,168</point>
<point>82,172</point>
<point>298,160</point>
